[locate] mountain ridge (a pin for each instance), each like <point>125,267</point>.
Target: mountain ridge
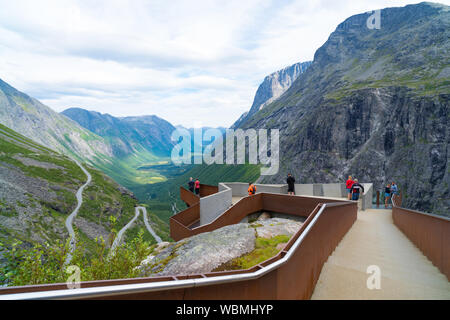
<point>273,86</point>
<point>373,104</point>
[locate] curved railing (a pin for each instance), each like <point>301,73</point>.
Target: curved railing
<point>429,232</point>
<point>181,223</point>
<point>291,274</point>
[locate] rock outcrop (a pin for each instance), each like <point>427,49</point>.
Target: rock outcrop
<point>205,252</point>
<point>374,104</point>
<point>273,86</point>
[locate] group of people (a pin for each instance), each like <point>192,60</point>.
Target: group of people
<point>390,190</point>
<point>194,186</point>
<point>354,188</point>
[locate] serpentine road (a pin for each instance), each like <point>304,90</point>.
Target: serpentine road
<point>70,218</point>
<point>149,228</point>
<point>129,224</point>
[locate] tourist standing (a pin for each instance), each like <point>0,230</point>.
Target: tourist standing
<point>349,185</point>
<point>387,195</point>
<point>191,185</point>
<point>291,184</point>
<point>356,190</point>
<point>394,189</point>
<point>197,187</point>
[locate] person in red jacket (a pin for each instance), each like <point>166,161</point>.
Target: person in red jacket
<point>197,187</point>
<point>349,185</point>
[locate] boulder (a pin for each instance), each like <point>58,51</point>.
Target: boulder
<point>205,252</point>
<point>277,226</point>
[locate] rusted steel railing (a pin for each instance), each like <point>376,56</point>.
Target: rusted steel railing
<point>188,197</point>
<point>429,232</point>
<point>180,224</point>
<point>297,205</point>
<point>291,274</point>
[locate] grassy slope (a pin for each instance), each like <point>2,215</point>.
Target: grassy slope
<point>12,145</point>
<point>102,198</point>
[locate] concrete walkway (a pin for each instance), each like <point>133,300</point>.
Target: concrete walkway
<point>374,240</point>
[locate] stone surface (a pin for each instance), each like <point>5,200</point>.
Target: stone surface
<point>277,226</point>
<point>205,252</point>
<point>273,86</point>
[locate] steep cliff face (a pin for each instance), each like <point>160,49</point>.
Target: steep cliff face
<point>375,104</point>
<point>273,86</point>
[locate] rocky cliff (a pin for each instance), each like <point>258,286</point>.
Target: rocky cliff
<point>374,104</point>
<point>273,86</point>
<point>238,246</point>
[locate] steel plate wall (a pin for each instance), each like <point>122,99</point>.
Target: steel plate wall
<point>430,233</point>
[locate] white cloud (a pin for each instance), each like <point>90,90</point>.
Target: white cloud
<point>186,61</point>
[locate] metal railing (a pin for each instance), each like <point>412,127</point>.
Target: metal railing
<point>291,274</point>
<point>429,232</point>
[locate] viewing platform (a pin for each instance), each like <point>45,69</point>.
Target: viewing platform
<point>330,257</point>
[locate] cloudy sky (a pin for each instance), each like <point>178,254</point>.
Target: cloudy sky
<point>189,62</point>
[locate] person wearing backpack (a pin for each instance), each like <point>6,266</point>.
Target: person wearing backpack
<point>356,189</point>
<point>191,185</point>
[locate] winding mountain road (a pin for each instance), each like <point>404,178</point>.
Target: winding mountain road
<point>122,231</point>
<point>70,218</point>
<point>149,228</point>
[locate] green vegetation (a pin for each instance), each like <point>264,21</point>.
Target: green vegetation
<point>42,264</point>
<point>129,172</point>
<point>46,215</point>
<point>264,250</point>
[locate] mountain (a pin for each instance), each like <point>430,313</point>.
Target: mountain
<point>200,144</point>
<point>37,194</point>
<point>129,134</point>
<point>273,86</point>
<point>374,103</point>
<point>36,121</point>
<point>119,150</point>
